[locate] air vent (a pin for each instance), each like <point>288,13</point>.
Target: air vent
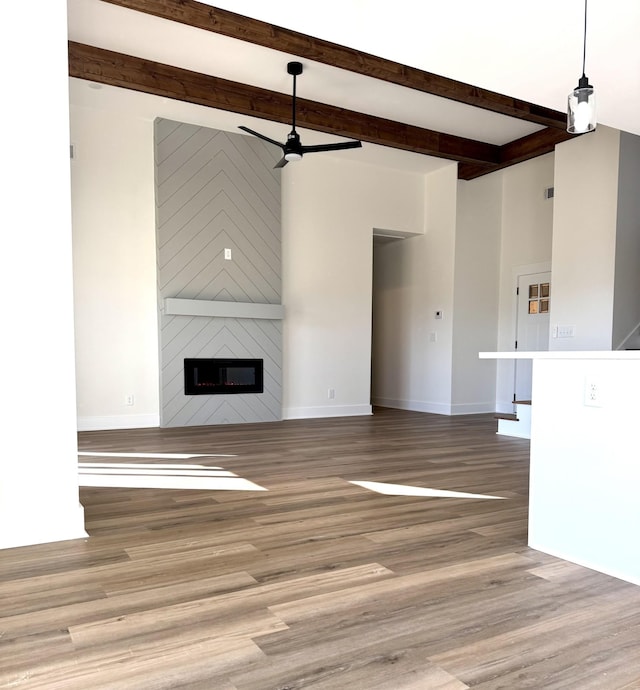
<point>548,193</point>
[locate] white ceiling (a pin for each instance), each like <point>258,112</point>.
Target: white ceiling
<point>528,50</point>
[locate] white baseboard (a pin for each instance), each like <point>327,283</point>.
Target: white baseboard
<point>473,408</point>
<point>586,563</point>
<point>414,405</point>
<point>326,411</point>
<point>124,421</point>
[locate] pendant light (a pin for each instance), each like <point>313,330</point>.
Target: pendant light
<point>581,111</point>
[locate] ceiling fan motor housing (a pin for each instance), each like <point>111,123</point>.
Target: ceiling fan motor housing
<point>293,142</point>
<point>292,148</point>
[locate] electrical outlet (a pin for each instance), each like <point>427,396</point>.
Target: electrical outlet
<point>227,254</point>
<point>592,393</point>
<point>331,393</point>
<point>129,399</point>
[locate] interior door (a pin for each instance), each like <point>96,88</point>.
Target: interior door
<point>532,325</point>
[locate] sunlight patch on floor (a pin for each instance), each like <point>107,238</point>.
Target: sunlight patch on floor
<point>161,456</point>
<point>403,490</point>
<point>157,476</point>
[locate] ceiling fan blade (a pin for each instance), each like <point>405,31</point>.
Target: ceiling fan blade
<point>281,163</point>
<point>260,136</point>
<point>332,147</point>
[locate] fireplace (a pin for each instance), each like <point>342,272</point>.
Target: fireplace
<point>223,376</point>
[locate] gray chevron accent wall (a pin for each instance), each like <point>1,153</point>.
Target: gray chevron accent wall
<point>217,191</point>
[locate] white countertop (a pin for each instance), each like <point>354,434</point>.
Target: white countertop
<point>563,354</point>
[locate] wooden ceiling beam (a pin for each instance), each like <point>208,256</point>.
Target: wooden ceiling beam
<point>126,71</point>
<point>531,146</point>
<point>202,16</point>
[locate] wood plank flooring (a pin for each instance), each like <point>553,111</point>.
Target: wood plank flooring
<point>316,582</point>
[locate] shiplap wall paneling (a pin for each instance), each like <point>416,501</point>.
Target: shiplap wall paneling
<point>215,191</point>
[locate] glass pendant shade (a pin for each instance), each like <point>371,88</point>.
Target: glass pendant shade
<point>581,111</point>
<point>581,106</point>
<point>292,156</point>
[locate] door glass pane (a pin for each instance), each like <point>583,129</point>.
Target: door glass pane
<point>533,306</point>
<point>533,291</point>
<point>544,289</point>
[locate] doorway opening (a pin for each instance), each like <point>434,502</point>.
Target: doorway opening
<point>391,325</point>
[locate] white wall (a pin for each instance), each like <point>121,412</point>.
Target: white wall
<point>438,268</point>
<point>330,208</point>
<point>476,288</point>
<point>333,204</point>
<point>527,228</point>
<point>479,238</point>
<point>584,471</point>
<point>584,239</point>
<point>38,474</point>
<point>114,269</point>
<point>413,279</point>
<point>626,298</point>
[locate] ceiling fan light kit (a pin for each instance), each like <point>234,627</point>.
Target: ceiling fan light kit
<point>581,110</point>
<point>292,149</point>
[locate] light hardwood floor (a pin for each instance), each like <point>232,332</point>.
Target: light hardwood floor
<point>316,583</point>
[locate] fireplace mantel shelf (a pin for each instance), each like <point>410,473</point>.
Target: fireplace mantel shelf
<point>232,310</point>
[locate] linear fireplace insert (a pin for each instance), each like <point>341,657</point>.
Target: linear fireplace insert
<point>223,376</point>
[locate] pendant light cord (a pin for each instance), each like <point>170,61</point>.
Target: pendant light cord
<point>584,44</point>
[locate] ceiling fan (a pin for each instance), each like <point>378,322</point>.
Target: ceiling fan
<point>292,149</point>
